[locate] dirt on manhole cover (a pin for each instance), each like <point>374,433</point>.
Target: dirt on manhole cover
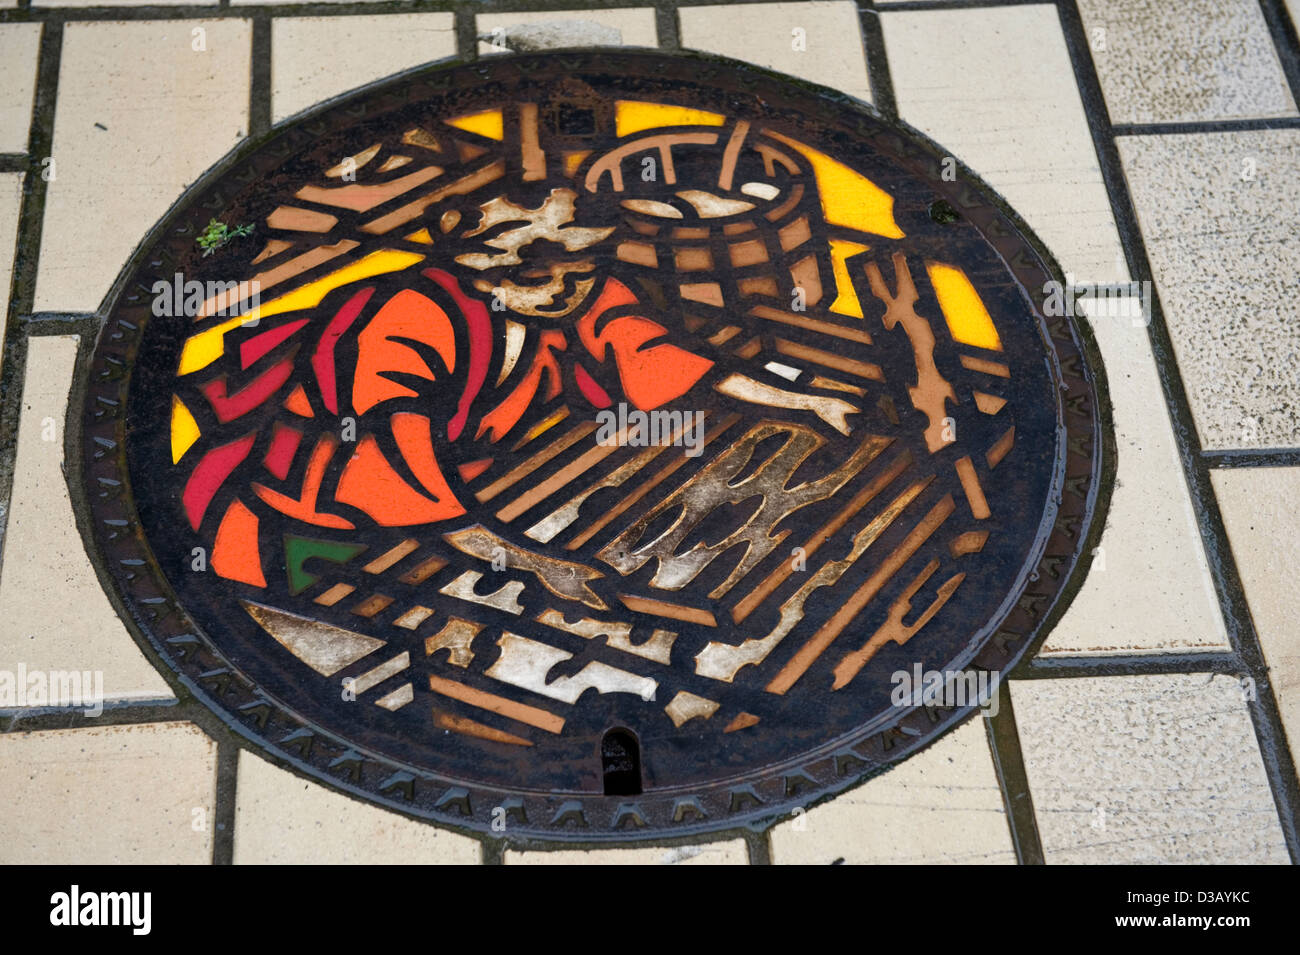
<point>595,445</point>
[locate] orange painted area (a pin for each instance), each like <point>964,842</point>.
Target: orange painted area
<point>414,436</point>
<point>304,508</point>
<point>297,403</point>
<point>235,554</point>
<point>370,484</point>
<point>473,469</point>
<point>651,376</point>
<point>408,314</point>
<point>507,414</point>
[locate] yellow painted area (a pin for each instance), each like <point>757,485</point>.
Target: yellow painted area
<point>573,160</point>
<point>487,123</point>
<point>967,318</point>
<point>422,237</point>
<point>849,198</point>
<point>185,430</point>
<point>633,116</point>
<point>206,347</point>
<point>846,302</point>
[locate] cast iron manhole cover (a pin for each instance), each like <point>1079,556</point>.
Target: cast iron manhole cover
<point>585,443</point>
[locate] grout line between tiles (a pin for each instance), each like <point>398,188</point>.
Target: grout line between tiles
<point>878,75</point>
<point>223,9</point>
<point>758,847</point>
<point>1278,761</point>
<point>259,80</point>
<point>1285,42</point>
<point>668,28</point>
<point>1205,126</point>
<point>1263,458</point>
<point>1153,664</point>
<point>466,34</point>
<point>13,370</point>
<point>1013,779</point>
<point>223,822</point>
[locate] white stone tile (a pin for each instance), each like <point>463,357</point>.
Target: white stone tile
<point>636,25</point>
<point>942,805</point>
<point>20,45</point>
<point>1150,560</point>
<point>108,795</point>
<point>1134,770</point>
<point>731,852</point>
<point>1259,511</point>
<point>1162,62</point>
<point>281,819</point>
<point>54,616</point>
<point>248,3</point>
<point>168,112</point>
<point>315,58</point>
<point>818,41</point>
<point>995,86</point>
<point>1215,211</point>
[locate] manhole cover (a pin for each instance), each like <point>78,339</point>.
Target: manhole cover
<point>590,445</point>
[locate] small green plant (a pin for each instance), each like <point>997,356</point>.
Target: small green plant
<point>217,234</point>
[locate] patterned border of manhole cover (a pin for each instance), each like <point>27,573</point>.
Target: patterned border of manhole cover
<point>598,445</point>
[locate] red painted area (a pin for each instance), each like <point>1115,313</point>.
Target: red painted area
<point>284,445</point>
<point>597,395</point>
<point>230,407</point>
<point>253,349</point>
<point>209,474</point>
<point>322,362</point>
<point>480,348</point>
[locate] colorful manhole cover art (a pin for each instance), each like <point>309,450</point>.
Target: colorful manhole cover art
<point>591,446</point>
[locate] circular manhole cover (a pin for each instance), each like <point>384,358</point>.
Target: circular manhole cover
<point>598,445</point>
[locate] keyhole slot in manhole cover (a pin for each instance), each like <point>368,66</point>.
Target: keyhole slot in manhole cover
<point>620,759</point>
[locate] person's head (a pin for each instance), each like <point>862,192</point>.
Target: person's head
<point>534,260</point>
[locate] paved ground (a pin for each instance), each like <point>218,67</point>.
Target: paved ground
<point>1145,141</point>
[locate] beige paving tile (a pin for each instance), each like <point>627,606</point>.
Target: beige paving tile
<point>995,86</point>
<point>109,795</point>
<point>1150,559</point>
<point>636,25</point>
<point>1259,511</point>
<point>54,616</point>
<point>1146,769</point>
<point>1186,61</point>
<point>818,41</point>
<point>942,805</point>
<point>19,46</point>
<point>11,203</point>
<point>1225,258</point>
<point>171,111</point>
<point>315,58</point>
<point>283,819</point>
<point>732,852</point>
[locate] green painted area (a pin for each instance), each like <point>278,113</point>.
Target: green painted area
<point>298,550</point>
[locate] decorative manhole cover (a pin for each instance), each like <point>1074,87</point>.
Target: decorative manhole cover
<point>585,443</point>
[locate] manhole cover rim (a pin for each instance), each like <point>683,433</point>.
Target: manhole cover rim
<point>388,782</point>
